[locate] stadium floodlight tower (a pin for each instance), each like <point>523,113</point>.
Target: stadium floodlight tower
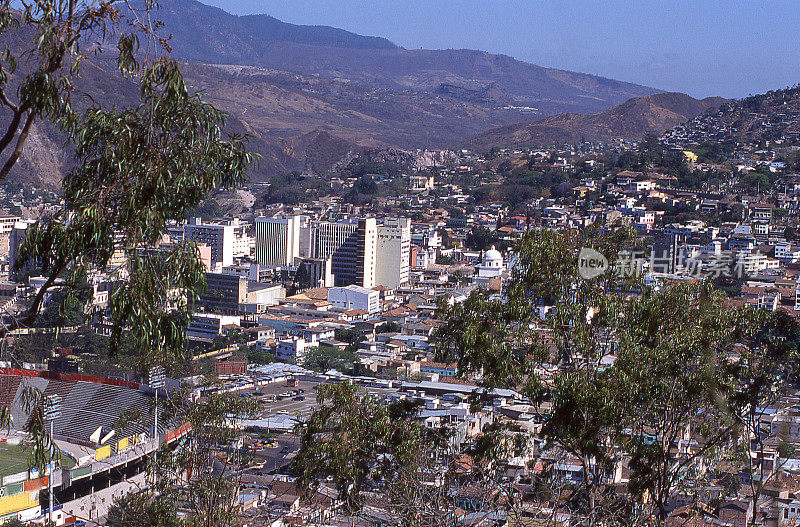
<point>156,381</point>
<point>52,411</point>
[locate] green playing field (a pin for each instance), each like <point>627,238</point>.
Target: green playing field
<point>13,459</point>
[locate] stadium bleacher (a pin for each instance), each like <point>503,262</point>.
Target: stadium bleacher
<point>85,405</point>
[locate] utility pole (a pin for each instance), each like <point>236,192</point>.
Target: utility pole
<point>52,411</point>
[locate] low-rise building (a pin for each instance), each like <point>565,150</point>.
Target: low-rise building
<point>355,297</point>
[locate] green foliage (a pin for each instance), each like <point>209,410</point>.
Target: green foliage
<point>139,168</point>
<point>353,337</point>
<point>752,181</point>
<point>208,209</point>
<point>136,168</point>
<point>672,370</point>
<point>389,327</point>
<point>324,358</point>
<point>668,372</point>
<point>365,185</point>
<point>519,183</point>
<point>357,443</point>
<point>363,191</point>
<point>360,167</point>
<point>66,312</point>
<point>208,498</point>
<point>233,337</point>
<point>714,151</point>
<point>511,194</point>
<point>42,447</point>
<point>255,356</point>
<point>139,509</point>
<point>480,238</point>
<point>289,189</point>
<point>652,155</point>
<point>447,241</point>
<point>67,304</point>
<point>443,259</point>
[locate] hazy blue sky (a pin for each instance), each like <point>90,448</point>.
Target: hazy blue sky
<point>702,47</point>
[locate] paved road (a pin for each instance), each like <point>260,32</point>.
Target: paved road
<point>278,457</point>
<point>292,408</point>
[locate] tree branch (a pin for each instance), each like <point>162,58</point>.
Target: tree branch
<point>23,135</point>
<point>33,312</point>
<point>5,100</point>
<point>12,130</point>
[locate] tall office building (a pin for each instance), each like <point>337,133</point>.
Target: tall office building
<point>278,241</point>
<point>227,239</point>
<point>350,244</point>
<point>393,252</point>
<point>329,237</point>
<point>366,259</point>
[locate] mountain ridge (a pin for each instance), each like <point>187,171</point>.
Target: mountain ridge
<point>207,34</point>
<point>204,33</point>
<point>312,34</point>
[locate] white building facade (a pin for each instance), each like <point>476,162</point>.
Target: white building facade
<point>393,253</point>
<point>355,297</point>
<point>227,240</point>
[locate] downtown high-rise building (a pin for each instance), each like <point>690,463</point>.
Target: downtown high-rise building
<point>367,256</point>
<point>350,244</point>
<point>393,252</point>
<point>356,251</point>
<point>228,239</point>
<point>278,240</point>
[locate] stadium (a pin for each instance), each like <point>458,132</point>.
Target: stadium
<point>99,459</point>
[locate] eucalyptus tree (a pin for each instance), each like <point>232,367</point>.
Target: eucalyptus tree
<point>660,382</point>
<point>366,448</point>
<point>550,336</point>
<point>137,167</point>
<point>760,370</point>
<point>668,380</point>
<point>195,480</point>
<point>44,43</point>
<point>632,376</point>
<point>352,440</point>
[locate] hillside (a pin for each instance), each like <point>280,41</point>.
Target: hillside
<point>770,116</point>
<point>310,95</point>
<point>286,105</point>
<point>630,120</point>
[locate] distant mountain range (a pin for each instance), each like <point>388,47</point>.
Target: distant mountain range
<point>312,95</point>
<point>630,120</point>
<point>208,34</point>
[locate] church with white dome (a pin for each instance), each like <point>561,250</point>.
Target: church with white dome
<point>492,264</point>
